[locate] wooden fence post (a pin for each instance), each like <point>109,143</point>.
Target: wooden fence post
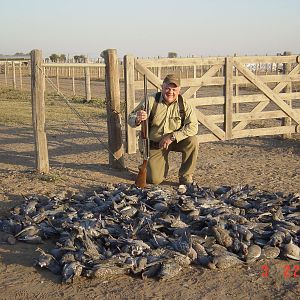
<point>130,102</point>
<point>288,89</point>
<point>20,74</point>
<point>236,91</point>
<point>87,80</point>
<point>73,81</point>
<point>195,76</point>
<point>5,73</point>
<point>38,112</point>
<point>228,109</point>
<point>14,75</point>
<point>113,107</point>
<point>57,79</point>
<point>99,73</point>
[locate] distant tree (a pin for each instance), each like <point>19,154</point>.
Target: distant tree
<point>62,58</point>
<point>172,55</point>
<point>54,57</point>
<point>20,54</point>
<point>79,58</point>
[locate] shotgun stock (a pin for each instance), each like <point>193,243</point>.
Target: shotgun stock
<point>142,175</point>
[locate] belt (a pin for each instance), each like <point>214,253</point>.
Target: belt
<point>154,145</point>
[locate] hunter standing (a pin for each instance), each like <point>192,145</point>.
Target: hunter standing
<point>173,126</point>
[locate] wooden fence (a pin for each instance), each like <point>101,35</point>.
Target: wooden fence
<point>17,68</point>
<point>14,73</point>
<point>116,158</point>
<point>231,94</point>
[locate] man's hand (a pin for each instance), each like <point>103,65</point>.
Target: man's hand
<point>141,116</point>
<point>166,141</point>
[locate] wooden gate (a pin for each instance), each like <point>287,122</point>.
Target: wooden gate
<point>235,97</point>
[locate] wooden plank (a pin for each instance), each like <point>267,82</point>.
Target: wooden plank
<point>268,78</point>
<point>218,100</point>
<point>287,89</point>
<point>150,76</point>
<point>217,131</point>
<point>207,81</point>
<point>264,115</point>
<point>73,65</point>
<point>181,62</point>
<point>247,116</point>
<point>200,82</point>
<point>113,108</point>
<point>38,112</point>
<point>263,131</point>
<point>268,92</point>
<point>262,97</point>
<point>228,108</point>
<point>266,59</point>
<point>130,102</point>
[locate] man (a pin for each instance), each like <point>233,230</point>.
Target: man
<point>173,126</point>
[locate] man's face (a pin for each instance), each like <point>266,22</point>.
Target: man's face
<point>170,92</point>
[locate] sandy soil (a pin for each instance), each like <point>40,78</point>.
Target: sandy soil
<point>80,163</point>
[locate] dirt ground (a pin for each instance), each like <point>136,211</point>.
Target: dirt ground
<point>79,162</point>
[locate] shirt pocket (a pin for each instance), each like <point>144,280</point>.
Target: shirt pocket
<point>174,123</point>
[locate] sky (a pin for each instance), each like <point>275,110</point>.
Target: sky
<point>150,28</point>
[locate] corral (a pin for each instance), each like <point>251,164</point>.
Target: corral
<point>79,163</point>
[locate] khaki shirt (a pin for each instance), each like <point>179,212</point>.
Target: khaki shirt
<point>167,119</point>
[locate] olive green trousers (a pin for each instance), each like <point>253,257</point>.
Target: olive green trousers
<point>158,164</point>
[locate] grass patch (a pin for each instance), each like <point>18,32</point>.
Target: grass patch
<point>8,94</point>
<point>16,108</point>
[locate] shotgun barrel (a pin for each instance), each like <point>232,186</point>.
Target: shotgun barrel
<point>142,175</point>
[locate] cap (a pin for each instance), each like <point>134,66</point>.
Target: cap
<point>172,78</point>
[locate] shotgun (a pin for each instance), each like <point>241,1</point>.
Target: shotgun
<point>142,175</point>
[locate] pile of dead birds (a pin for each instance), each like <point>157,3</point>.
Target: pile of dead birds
<point>154,232</point>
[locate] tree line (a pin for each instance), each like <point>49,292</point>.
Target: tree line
<point>62,58</point>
